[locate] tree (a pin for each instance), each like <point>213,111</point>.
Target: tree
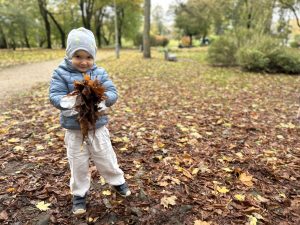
<point>193,18</point>
<point>42,6</point>
<point>294,6</point>
<point>146,33</point>
<point>158,22</point>
<point>86,7</point>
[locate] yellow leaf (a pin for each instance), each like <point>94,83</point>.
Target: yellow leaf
<point>166,201</point>
<point>43,206</point>
<point>10,189</point>
<point>227,169</point>
<point>102,180</point>
<point>39,147</point>
<point>187,173</point>
<point>222,189</point>
<point>280,137</point>
<point>18,148</point>
<point>107,192</point>
<point>246,179</point>
<point>252,220</point>
<point>195,171</point>
<point>123,149</point>
<point>200,222</point>
<point>196,135</point>
<point>240,155</point>
<point>239,197</point>
<point>14,140</point>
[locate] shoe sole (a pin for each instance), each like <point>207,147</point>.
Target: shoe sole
<point>79,211</point>
<point>124,196</point>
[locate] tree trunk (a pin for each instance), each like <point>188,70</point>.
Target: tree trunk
<point>86,8</point>
<point>121,15</point>
<point>3,42</point>
<point>42,7</point>
<point>146,33</point>
<point>61,31</point>
<point>191,40</point>
<point>98,24</point>
<point>26,38</point>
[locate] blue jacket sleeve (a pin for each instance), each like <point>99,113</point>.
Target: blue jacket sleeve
<point>58,89</point>
<point>110,89</point>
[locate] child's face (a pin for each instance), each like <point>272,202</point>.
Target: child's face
<point>82,61</point>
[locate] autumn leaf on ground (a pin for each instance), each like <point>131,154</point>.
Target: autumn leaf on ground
<point>3,215</point>
<point>222,190</point>
<point>166,201</point>
<point>14,140</point>
<point>200,222</point>
<point>239,197</point>
<point>106,192</point>
<point>43,206</point>
<point>252,220</point>
<point>246,179</point>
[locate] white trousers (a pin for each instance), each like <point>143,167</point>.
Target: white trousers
<point>99,148</point>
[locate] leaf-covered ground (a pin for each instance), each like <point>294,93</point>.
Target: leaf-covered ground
<point>22,56</point>
<point>196,144</point>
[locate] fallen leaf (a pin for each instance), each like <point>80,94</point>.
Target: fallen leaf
<point>166,201</point>
<point>187,173</point>
<point>195,171</point>
<point>252,220</point>
<point>3,215</point>
<point>106,192</point>
<point>239,197</point>
<point>14,140</point>
<point>200,222</point>
<point>222,190</point>
<point>19,148</point>
<point>43,206</point>
<point>246,179</point>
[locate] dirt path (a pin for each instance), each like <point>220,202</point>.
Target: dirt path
<point>17,79</point>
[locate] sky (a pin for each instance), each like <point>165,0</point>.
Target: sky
<point>164,3</point>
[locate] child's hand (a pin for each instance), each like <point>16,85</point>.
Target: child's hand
<point>101,106</point>
<point>68,101</point>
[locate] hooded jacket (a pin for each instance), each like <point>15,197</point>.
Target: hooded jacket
<point>62,83</point>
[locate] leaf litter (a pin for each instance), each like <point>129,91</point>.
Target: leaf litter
<point>200,145</point>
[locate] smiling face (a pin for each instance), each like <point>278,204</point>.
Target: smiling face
<point>82,61</point>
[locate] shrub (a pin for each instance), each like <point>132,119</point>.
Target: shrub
<point>285,60</point>
<point>295,44</point>
<point>160,41</point>
<point>256,52</point>
<point>252,59</point>
<point>222,52</point>
<point>154,40</point>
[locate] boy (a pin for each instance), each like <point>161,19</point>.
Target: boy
<point>80,57</point>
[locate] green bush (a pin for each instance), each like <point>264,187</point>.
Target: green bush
<point>285,60</point>
<point>294,44</point>
<point>256,52</point>
<point>252,59</point>
<point>222,52</point>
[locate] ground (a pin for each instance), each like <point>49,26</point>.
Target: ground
<point>197,144</point>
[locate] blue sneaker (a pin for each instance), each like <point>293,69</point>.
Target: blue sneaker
<point>79,205</point>
<point>123,190</point>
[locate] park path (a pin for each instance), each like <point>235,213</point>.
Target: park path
<point>18,79</point>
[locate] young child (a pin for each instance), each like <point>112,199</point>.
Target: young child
<point>80,58</point>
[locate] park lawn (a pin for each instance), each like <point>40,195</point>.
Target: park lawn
<point>196,143</point>
<point>23,56</point>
